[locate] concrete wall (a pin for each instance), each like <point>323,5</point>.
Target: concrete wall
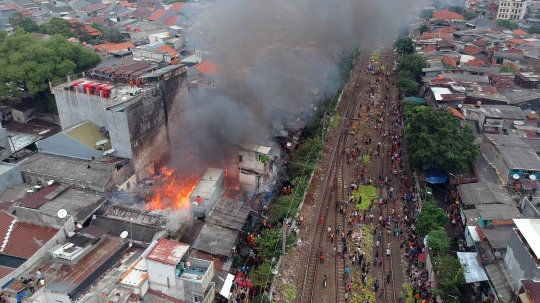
<point>43,252</point>
<point>22,116</point>
<point>528,210</point>
<point>33,178</point>
<point>33,216</point>
<point>75,107</point>
<point>10,177</point>
<point>518,261</point>
<point>119,133</point>
<point>495,157</point>
<point>162,278</point>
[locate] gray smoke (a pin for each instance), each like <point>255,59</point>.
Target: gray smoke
<point>276,57</point>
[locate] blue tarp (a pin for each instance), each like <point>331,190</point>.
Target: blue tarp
<point>436,175</point>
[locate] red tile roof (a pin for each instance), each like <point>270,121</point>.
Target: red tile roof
<point>456,113</point>
<point>6,205</point>
<point>437,35</point>
<point>6,223</point>
<point>13,6</point>
<point>113,47</point>
<point>517,41</point>
<point>22,241</point>
<point>446,30</point>
<point>36,200</point>
<point>471,50</point>
<point>449,61</point>
<point>178,6</point>
<point>127,4</point>
<point>475,62</point>
<point>156,15</point>
<point>171,20</point>
<point>429,48</point>
<point>480,43</point>
<point>519,32</point>
<point>90,30</point>
<point>168,49</point>
<point>4,271</point>
<point>95,19</point>
<point>93,7</point>
<point>208,67</point>
<point>168,251</point>
<point>446,15</point>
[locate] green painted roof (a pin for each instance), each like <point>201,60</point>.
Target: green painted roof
<point>88,134</point>
<point>416,100</point>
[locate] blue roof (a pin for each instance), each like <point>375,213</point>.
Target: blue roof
<point>416,100</point>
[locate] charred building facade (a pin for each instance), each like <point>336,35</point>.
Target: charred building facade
<point>135,105</point>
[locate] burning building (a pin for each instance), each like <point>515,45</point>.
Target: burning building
<point>206,193</point>
<point>134,104</point>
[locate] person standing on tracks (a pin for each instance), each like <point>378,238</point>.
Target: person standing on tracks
<point>400,296</point>
<point>329,230</point>
<point>388,277</point>
<point>376,285</point>
<point>324,281</point>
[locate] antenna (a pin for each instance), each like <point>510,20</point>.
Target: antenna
<point>50,182</point>
<point>101,142</point>
<point>123,235</point>
<point>62,213</point>
<point>108,152</point>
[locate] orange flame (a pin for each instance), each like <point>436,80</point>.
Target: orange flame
<point>171,192</point>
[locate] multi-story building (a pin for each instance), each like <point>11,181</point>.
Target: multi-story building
<point>512,9</point>
<point>135,105</point>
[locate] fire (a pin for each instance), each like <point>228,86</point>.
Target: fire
<point>171,191</point>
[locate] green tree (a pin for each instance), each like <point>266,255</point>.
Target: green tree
<point>28,63</point>
<point>435,137</point>
<point>18,21</point>
<point>404,45</point>
<point>456,9</point>
<point>269,242</point>
<point>508,24</point>
<point>426,13</point>
<point>97,26</point>
<point>113,34</point>
<point>306,158</point>
<point>431,218</point>
<point>534,29</point>
<point>260,299</point>
<point>3,35</point>
<point>423,29</point>
<point>437,4</point>
<point>413,63</point>
<point>507,69</point>
<point>470,15</point>
<point>537,16</point>
<point>262,276</point>
<point>407,82</point>
<point>449,277</point>
<point>438,240</point>
<point>57,26</point>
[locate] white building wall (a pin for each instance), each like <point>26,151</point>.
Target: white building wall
<point>162,278</point>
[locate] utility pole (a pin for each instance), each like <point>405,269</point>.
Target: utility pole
<point>284,245</point>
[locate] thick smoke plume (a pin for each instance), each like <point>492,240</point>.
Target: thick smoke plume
<point>274,57</point>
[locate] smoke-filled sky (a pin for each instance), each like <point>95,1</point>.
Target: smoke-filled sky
<point>275,54</point>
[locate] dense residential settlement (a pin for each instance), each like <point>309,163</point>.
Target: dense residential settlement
<point>97,203</point>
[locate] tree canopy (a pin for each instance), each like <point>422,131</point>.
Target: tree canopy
<point>424,28</point>
<point>456,9</point>
<point>431,218</point>
<point>470,15</point>
<point>534,29</point>
<point>449,276</point>
<point>407,82</point>
<point>404,45</point>
<point>508,69</point>
<point>426,13</point>
<point>18,21</point>
<point>269,242</point>
<point>28,63</point>
<point>508,24</point>
<point>413,63</point>
<point>438,240</point>
<point>435,137</point>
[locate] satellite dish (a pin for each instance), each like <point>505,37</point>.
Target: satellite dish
<point>50,182</point>
<point>30,191</point>
<point>101,142</point>
<point>515,176</point>
<point>460,105</point>
<point>71,234</point>
<point>519,123</point>
<point>532,177</point>
<point>62,213</point>
<point>108,152</point>
<point>124,234</point>
<point>37,186</point>
<point>289,144</point>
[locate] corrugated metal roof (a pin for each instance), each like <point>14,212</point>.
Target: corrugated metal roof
<point>89,134</point>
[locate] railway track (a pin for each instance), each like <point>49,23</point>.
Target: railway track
<point>334,193</point>
<point>389,268</point>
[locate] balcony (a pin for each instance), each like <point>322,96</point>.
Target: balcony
<point>197,277</point>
